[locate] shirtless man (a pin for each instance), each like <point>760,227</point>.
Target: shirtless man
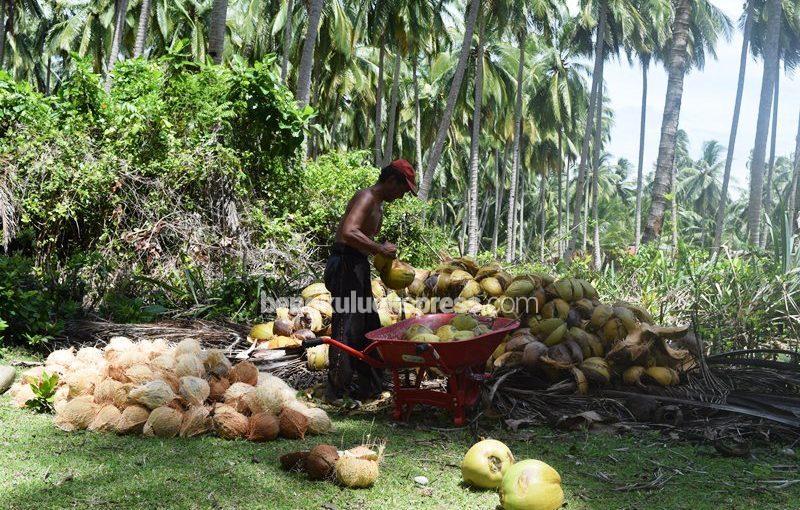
<point>347,276</point>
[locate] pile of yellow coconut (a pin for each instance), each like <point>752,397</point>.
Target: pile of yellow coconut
<point>161,390</point>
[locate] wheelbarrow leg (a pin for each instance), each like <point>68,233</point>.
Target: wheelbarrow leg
<point>457,392</point>
<point>397,412</point>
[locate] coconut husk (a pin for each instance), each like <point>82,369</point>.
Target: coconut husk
<point>217,388</point>
<point>294,461</point>
<point>216,363</point>
<point>321,461</point>
<point>230,424</point>
<point>263,427</point>
<point>194,390</point>
<point>196,422</point>
<point>245,372</point>
<point>235,396</point>
<point>132,420</point>
<point>356,473</point>
<point>293,424</point>
<point>77,414</point>
<point>106,419</point>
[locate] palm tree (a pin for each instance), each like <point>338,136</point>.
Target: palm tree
<point>120,13</point>
<point>141,29</point>
<point>791,200</point>
<point>771,64</point>
<point>512,194</point>
<point>438,145</point>
<point>307,57</point>
<point>216,30</point>
<point>697,25</point>
<point>3,29</point>
<point>287,40</point>
<point>472,229</point>
<point>737,107</point>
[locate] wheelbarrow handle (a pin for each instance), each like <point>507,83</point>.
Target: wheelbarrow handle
<point>361,355</point>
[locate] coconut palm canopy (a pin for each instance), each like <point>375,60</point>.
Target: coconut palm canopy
<point>500,104</point>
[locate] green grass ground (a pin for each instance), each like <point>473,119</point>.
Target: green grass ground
<point>42,467</point>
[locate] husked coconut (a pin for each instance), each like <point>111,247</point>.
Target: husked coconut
<point>153,394</point>
<point>269,399</point>
<point>20,394</point>
<point>235,396</point>
<point>106,419</point>
<point>263,427</point>
<point>77,414</point>
<point>163,362</point>
<point>196,422</point>
<point>90,355</point>
<point>82,382</point>
<point>231,424</point>
<point>164,422</point>
<point>119,343</point>
<point>133,419</point>
<point>188,346</point>
<point>194,390</point>
<point>109,391</point>
<point>321,461</point>
<point>32,375</point>
<point>356,473</point>
<point>245,372</point>
<point>218,386</point>
<point>63,357</point>
<point>139,374</point>
<point>189,364</point>
<point>293,424</point>
<point>216,363</point>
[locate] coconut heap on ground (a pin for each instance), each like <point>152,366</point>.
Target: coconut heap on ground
<point>566,331</point>
<point>156,389</point>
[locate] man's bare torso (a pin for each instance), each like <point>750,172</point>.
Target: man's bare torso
<point>371,224</point>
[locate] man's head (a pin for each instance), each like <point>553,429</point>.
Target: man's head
<point>398,178</point>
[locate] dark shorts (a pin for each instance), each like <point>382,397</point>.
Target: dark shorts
<point>347,277</point>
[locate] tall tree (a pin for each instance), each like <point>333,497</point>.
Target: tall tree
<point>515,154</point>
<point>2,33</point>
<point>771,61</point>
<point>472,230</point>
<point>287,40</point>
<point>379,107</point>
<point>120,11</point>
<point>307,57</point>
<point>216,30</point>
<point>791,200</point>
<point>771,165</point>
<point>141,29</point>
<point>598,142</point>
<point>719,220</point>
<point>393,100</point>
<point>438,145</point>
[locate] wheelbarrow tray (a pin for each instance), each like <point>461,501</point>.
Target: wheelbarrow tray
<point>462,362</point>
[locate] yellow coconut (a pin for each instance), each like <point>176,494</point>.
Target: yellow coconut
<point>398,275</point>
<point>491,286</point>
<point>485,463</point>
<point>531,485</point>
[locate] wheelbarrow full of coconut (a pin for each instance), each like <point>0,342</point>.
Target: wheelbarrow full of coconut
<point>456,345</point>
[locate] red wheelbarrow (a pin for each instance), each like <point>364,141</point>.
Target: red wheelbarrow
<point>462,362</point>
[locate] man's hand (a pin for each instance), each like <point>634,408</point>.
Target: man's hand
<point>388,250</point>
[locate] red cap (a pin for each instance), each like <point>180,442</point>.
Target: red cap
<point>405,169</point>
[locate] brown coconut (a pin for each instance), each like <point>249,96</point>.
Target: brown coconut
<point>164,422</point>
<point>294,461</point>
<point>194,390</point>
<point>244,372</point>
<point>231,424</point>
<point>153,394</point>
<point>321,461</point>
<point>110,391</point>
<point>216,363</point>
<point>189,364</point>
<point>236,396</point>
<point>106,420</point>
<point>76,414</point>
<point>218,386</point>
<point>293,423</point>
<point>263,427</point>
<point>196,422</point>
<point>132,420</point>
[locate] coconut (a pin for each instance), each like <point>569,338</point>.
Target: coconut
<point>164,422</point>
<point>32,375</point>
<point>153,394</point>
<point>321,461</point>
<point>163,362</point>
<point>398,275</point>
<point>263,427</point>
<point>271,397</point>
<point>7,375</point>
<point>230,424</point>
<point>63,357</point>
<point>217,387</point>
<point>188,346</point>
<point>139,374</point>
<point>317,357</point>
<point>324,307</point>
<point>132,420</point>
<point>318,421</point>
<point>77,414</point>
<point>485,463</point>
<point>293,424</point>
<point>283,327</point>
<point>491,286</point>
<point>361,452</point>
<point>90,355</point>
<point>119,343</point>
<point>196,422</point>
<point>82,381</point>
<point>261,332</point>
<point>245,372</point>
<point>216,363</point>
<point>308,318</point>
<point>106,419</point>
<point>120,360</point>
<point>532,352</point>
<point>109,391</point>
<point>21,393</point>
<point>356,473</point>
<point>194,390</point>
<point>294,461</point>
<point>189,364</point>
<point>464,322</point>
<point>315,290</point>
<point>531,485</point>
<point>235,396</point>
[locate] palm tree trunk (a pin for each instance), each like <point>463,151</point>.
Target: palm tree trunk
<point>566,200</point>
<point>640,168</point>
<point>120,9</point>
<point>287,41</point>
<point>48,74</point>
<point>771,166</point>
<point>542,217</point>
<point>2,33</point>
<point>719,220</point>
<point>216,30</point>
<point>379,108</point>
<point>673,186</point>
<point>141,30</point>
<point>587,134</point>
<point>560,169</point>
<point>512,193</point>
<point>417,119</point>
<point>472,234</point>
<point>498,198</point>
<point>390,129</point>
<point>521,223</point>
<point>452,96</point>
<point>669,122</point>
<point>598,142</point>
<point>307,57</point>
<point>762,123</point>
<point>585,224</point>
<point>791,200</point>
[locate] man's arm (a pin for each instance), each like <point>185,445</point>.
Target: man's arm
<point>351,229</point>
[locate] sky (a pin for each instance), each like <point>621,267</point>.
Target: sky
<point>707,107</point>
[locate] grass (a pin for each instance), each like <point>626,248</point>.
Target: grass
<point>42,467</point>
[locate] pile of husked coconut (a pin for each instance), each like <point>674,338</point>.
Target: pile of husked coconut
<point>161,390</point>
